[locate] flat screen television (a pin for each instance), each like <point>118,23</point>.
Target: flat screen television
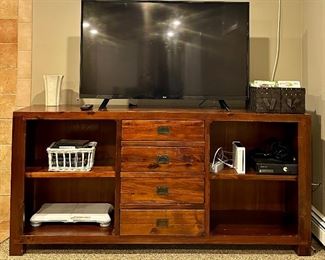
<point>164,50</point>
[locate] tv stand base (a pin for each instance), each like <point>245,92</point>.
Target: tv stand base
<point>103,105</point>
<point>224,105</point>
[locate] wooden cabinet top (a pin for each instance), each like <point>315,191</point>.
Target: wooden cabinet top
<point>123,112</point>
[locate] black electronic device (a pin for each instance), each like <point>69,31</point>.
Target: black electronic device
<point>164,50</point>
<point>70,143</point>
<point>276,157</point>
<point>267,166</point>
<point>86,107</point>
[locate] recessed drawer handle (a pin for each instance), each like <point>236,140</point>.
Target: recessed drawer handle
<point>162,190</point>
<point>162,159</point>
<point>162,222</point>
<point>163,130</point>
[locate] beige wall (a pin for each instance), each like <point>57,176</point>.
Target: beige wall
<point>263,30</point>
<point>15,81</point>
<point>313,44</point>
<point>56,36</point>
<point>56,40</point>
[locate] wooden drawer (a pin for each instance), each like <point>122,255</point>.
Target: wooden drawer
<point>162,130</point>
<point>153,191</point>
<point>150,158</point>
<point>162,222</point>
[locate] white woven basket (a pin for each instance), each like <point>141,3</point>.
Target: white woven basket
<point>71,159</point>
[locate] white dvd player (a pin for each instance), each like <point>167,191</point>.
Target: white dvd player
<point>73,213</point>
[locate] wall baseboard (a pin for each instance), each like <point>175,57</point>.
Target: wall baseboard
<point>318,224</point>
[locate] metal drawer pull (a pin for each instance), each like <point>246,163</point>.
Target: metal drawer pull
<point>162,159</point>
<point>162,222</point>
<point>163,130</point>
<point>162,190</point>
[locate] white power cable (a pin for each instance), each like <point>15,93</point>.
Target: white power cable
<point>222,159</point>
<point>278,42</point>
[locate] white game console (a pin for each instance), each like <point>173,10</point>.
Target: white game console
<point>239,157</point>
<point>73,213</point>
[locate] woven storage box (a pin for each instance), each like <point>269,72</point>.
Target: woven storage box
<point>71,159</point>
<point>277,100</point>
<point>293,100</point>
<point>265,100</point>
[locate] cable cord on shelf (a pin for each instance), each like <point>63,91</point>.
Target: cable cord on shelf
<point>221,158</point>
<point>276,60</point>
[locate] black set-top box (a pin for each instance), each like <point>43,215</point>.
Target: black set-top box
<point>269,165</point>
<point>70,143</point>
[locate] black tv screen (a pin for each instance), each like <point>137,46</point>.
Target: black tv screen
<point>164,49</point>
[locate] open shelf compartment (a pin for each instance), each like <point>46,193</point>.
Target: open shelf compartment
<point>253,135</point>
<point>72,190</point>
<point>252,223</point>
<point>254,208</point>
<point>101,131</point>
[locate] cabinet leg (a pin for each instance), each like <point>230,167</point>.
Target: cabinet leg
<point>303,250</point>
<point>16,249</point>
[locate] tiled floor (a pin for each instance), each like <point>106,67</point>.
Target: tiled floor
<point>4,231</point>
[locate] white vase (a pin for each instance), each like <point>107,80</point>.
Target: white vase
<point>52,84</point>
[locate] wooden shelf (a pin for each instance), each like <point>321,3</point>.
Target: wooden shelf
<point>231,174</point>
<point>96,172</point>
<point>66,232</point>
<point>252,223</point>
<point>246,239</point>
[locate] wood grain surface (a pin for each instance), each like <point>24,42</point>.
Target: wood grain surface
<point>150,158</point>
<point>163,130</point>
<point>153,165</point>
<point>154,191</point>
<point>162,222</point>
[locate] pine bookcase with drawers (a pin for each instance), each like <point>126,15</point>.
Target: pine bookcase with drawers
<point>153,165</point>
